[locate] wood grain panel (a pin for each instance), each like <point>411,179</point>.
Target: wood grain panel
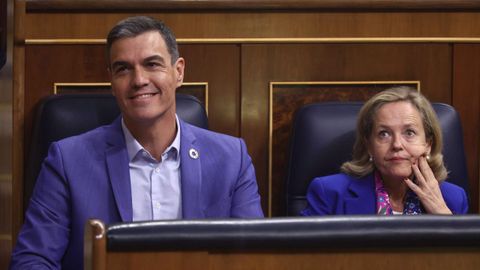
<point>46,65</point>
<point>271,24</point>
<point>262,64</point>
<point>18,95</point>
<point>219,66</point>
<point>6,148</point>
<point>5,205</point>
<point>5,251</point>
<point>62,5</point>
<point>169,260</point>
<point>395,259</point>
<point>3,33</point>
<point>466,99</point>
<point>348,259</point>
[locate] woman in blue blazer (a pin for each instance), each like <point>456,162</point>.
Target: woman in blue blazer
<point>397,165</point>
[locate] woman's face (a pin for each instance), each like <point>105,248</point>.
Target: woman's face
<point>397,140</point>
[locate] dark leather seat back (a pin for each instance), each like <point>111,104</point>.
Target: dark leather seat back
<point>61,116</point>
<point>323,137</point>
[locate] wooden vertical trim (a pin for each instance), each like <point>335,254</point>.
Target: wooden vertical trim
<point>18,116</point>
<point>466,100</point>
<point>357,5</point>
<point>95,249</point>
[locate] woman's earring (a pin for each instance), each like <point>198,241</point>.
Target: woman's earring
<point>428,157</point>
<point>370,159</point>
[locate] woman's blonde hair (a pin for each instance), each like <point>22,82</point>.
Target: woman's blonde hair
<point>360,165</point>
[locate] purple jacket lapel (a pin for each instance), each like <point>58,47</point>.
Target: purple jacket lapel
<point>118,170</point>
<point>191,173</point>
<point>363,196</point>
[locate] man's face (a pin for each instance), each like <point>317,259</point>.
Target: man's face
<point>143,78</point>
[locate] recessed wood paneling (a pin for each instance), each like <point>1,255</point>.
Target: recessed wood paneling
<point>6,125</point>
<point>5,251</point>
<point>5,133</point>
<point>3,33</point>
<point>275,24</point>
<point>466,99</point>
<point>333,259</point>
<point>219,66</point>
<point>5,204</point>
<point>47,65</point>
<point>51,5</point>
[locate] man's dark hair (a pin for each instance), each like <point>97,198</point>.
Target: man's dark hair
<point>134,26</point>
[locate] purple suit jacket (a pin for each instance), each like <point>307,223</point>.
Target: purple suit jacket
<point>341,194</point>
<point>87,176</point>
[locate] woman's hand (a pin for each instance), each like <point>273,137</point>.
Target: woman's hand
<point>427,188</point>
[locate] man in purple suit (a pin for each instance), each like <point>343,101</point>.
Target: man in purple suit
<point>147,165</point>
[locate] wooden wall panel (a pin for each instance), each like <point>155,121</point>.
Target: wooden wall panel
<point>262,64</point>
<point>5,251</point>
<point>5,206</point>
<point>3,33</point>
<point>219,65</point>
<point>5,158</point>
<point>466,99</point>
<point>274,24</point>
<point>6,209</point>
<point>46,65</point>
<point>332,259</point>
<point>6,123</point>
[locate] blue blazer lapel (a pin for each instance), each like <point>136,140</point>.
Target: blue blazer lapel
<point>363,196</point>
<point>191,173</point>
<point>118,170</point>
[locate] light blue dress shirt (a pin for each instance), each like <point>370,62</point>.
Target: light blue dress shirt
<point>156,189</point>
